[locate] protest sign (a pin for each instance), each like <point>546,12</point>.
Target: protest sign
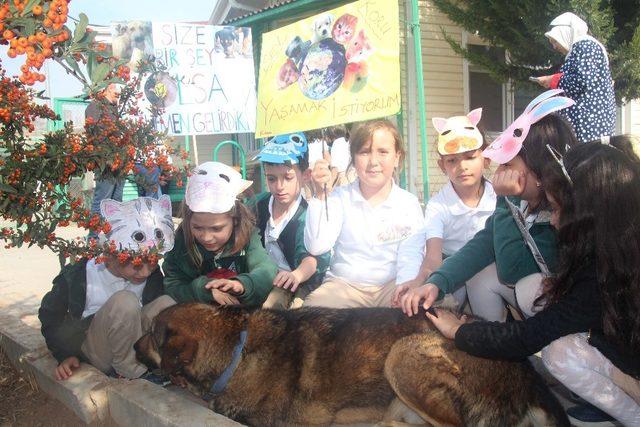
<point>208,85</point>
<point>336,67</point>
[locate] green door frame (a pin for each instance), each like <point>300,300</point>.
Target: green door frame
<point>57,108</point>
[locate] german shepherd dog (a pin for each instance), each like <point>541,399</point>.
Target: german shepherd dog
<point>319,366</point>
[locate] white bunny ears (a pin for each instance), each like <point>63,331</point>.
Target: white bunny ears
<point>509,143</point>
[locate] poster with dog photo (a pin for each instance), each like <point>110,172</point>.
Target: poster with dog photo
<point>132,41</point>
<point>207,85</point>
<point>335,67</point>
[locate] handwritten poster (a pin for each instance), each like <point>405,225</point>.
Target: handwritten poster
<point>209,83</point>
<point>336,67</point>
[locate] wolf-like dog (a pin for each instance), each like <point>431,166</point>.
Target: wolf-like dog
<point>319,366</point>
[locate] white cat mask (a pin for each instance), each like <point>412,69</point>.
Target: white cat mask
<point>142,223</point>
<point>214,187</point>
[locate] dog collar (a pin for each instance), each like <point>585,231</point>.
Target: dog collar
<point>221,383</point>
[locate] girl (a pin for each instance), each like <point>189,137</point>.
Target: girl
<point>595,195</point>
<point>457,212</point>
<point>501,252</point>
<point>364,222</point>
<point>218,255</point>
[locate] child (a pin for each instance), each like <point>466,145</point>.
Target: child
<point>457,212</point>
<point>588,328</point>
<point>218,255</point>
<point>96,312</point>
<point>518,244</point>
<point>364,222</point>
<point>281,216</point>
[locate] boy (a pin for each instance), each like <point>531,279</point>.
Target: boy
<point>96,312</point>
<point>281,218</point>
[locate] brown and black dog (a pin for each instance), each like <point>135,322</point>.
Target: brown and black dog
<point>317,366</point>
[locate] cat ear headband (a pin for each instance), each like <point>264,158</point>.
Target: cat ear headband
<point>144,223</point>
<point>214,187</point>
<point>287,148</point>
<point>509,143</point>
<point>459,133</point>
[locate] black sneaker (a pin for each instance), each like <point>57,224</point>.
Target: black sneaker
<point>588,413</point>
<point>150,376</point>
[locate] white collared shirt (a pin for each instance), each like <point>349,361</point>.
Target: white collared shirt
<point>364,239</point>
<point>272,233</point>
<point>101,285</point>
<point>447,218</point>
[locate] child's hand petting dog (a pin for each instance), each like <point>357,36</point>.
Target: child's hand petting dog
<point>401,290</point>
<point>287,280</point>
<point>446,322</point>
<point>65,369</point>
<point>224,291</point>
<point>410,301</point>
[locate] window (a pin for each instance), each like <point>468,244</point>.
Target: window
<point>501,102</point>
<point>483,91</point>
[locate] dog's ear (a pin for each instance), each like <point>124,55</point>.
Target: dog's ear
<point>179,351</point>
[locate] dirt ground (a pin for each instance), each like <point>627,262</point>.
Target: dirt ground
<point>22,404</point>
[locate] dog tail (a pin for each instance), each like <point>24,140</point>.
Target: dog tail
<point>545,409</point>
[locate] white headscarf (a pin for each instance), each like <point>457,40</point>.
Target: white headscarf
<point>568,29</point>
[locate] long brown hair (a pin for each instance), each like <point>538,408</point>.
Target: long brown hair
<point>364,132</point>
<point>243,225</point>
<point>599,225</point>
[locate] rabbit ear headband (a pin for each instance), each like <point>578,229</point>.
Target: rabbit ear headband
<point>509,143</point>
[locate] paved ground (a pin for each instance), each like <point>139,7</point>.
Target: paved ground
<point>26,276</point>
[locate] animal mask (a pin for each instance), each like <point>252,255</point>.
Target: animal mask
<point>214,187</point>
<point>459,133</point>
<point>509,143</point>
<point>142,223</point>
<point>284,148</point>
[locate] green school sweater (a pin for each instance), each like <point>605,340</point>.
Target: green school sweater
<point>184,282</point>
<point>501,242</point>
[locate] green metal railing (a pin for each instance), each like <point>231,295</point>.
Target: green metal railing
<point>242,156</point>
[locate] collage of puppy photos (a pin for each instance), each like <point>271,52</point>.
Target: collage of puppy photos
<point>334,54</point>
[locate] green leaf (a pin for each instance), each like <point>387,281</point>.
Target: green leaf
<point>91,62</point>
<point>7,188</point>
<point>81,28</point>
<point>29,7</point>
<point>100,73</point>
<point>89,38</point>
<point>73,64</point>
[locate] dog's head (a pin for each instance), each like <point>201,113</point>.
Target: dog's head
<point>227,38</point>
<point>139,31</point>
<point>192,341</point>
<point>322,26</point>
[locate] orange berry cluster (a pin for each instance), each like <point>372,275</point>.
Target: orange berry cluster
<point>52,15</point>
<point>17,106</point>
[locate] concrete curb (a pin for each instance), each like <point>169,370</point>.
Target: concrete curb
<point>96,398</point>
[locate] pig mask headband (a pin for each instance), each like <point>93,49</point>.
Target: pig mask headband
<point>509,143</point>
<point>458,134</point>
